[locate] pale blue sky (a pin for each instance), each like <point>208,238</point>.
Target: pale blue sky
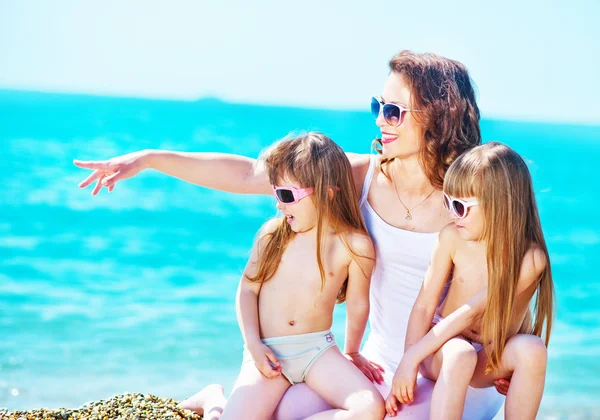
<point>539,60</point>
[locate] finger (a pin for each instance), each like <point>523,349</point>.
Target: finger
<point>368,374</point>
<point>392,403</point>
<point>501,386</point>
<point>89,164</point>
<point>389,408</point>
<point>114,178</point>
<point>111,188</point>
<point>90,179</point>
<point>404,395</point>
<point>411,394</point>
<point>273,359</point>
<point>502,389</point>
<point>379,367</point>
<point>97,187</point>
<point>377,375</point>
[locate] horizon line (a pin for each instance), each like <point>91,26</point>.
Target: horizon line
<point>209,97</point>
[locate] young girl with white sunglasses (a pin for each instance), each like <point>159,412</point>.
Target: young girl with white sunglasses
<point>496,257</point>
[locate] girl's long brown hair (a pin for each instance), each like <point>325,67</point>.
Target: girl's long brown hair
<point>500,179</point>
<point>312,160</point>
<point>443,91</point>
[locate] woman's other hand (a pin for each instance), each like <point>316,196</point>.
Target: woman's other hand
<point>502,386</point>
<point>106,173</point>
<point>370,369</point>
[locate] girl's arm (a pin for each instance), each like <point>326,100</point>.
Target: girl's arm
<point>357,305</point>
<point>220,171</point>
<point>357,293</point>
<point>421,315</point>
<point>451,326</point>
<point>436,277</point>
<point>247,314</point>
<point>454,324</point>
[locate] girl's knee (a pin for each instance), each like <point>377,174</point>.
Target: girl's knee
<point>459,353</point>
<point>526,350</point>
<point>368,405</point>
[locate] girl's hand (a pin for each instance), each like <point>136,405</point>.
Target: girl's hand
<point>391,405</point>
<point>108,172</point>
<point>405,381</point>
<point>502,386</point>
<point>370,369</point>
<point>266,361</point>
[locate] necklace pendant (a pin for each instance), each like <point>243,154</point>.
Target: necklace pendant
<point>408,216</point>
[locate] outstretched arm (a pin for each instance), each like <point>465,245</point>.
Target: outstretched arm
<point>220,171</point>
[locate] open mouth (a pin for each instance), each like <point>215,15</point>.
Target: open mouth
<point>289,219</point>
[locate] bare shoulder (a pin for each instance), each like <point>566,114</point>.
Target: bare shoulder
<point>449,236</point>
<point>270,226</point>
<point>360,166</point>
<point>533,265</point>
<point>267,228</point>
<point>361,244</point>
<point>358,159</point>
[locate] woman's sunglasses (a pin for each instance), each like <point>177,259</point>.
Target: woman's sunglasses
<point>392,114</point>
<point>459,207</point>
<point>291,195</point>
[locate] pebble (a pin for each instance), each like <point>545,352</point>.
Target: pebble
<point>120,407</point>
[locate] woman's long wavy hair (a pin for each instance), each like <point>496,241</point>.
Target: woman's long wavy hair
<point>312,160</point>
<point>500,180</point>
<point>443,91</point>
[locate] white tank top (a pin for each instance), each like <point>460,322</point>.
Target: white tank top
<point>402,260</point>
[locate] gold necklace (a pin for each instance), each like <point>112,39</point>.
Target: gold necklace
<point>408,216</point>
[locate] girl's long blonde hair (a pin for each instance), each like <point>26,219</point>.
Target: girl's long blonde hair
<point>312,160</point>
<point>499,178</point>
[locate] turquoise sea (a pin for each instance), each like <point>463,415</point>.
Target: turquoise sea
<point>134,290</point>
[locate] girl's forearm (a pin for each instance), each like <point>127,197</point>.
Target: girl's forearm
<point>356,323</point>
<point>220,171</point>
<point>453,325</point>
<point>419,324</point>
<point>247,314</point>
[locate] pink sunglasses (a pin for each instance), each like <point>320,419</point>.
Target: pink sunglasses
<point>291,195</point>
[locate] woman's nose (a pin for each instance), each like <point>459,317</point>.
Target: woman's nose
<point>380,121</point>
<point>280,206</point>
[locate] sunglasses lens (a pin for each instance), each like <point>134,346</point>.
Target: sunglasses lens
<point>459,208</point>
<point>391,113</point>
<point>285,196</point>
<point>375,107</point>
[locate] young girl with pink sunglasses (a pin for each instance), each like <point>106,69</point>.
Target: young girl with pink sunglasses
<point>315,254</point>
<point>496,257</point>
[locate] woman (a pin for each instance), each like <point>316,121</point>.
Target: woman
<point>428,116</point>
